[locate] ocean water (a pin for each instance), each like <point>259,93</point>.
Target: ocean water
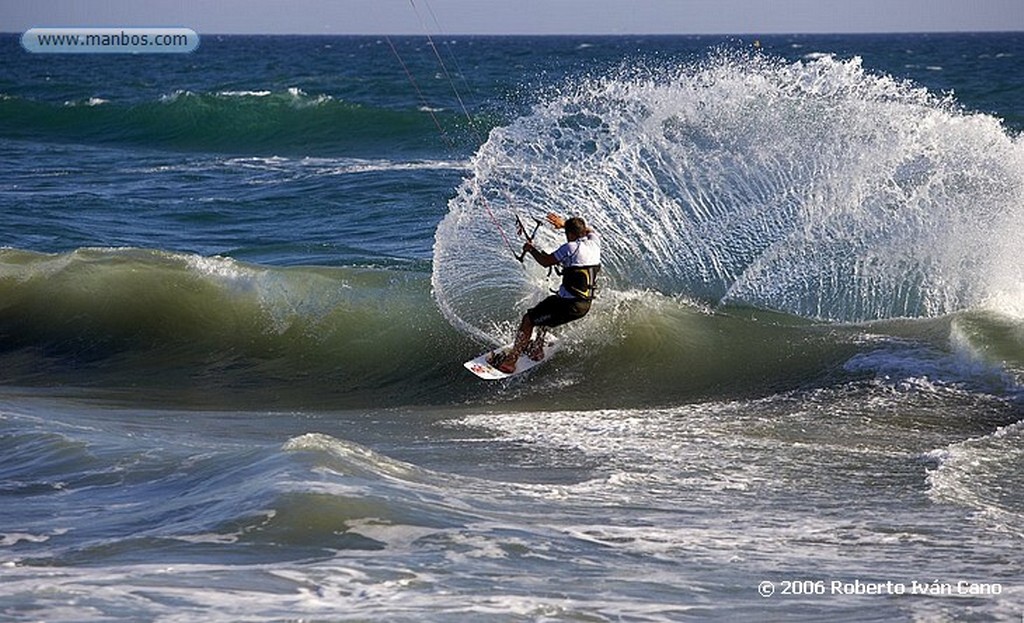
<point>237,288</point>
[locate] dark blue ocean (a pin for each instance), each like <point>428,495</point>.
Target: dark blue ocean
<point>237,287</point>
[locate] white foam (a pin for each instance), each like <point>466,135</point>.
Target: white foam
<point>92,101</point>
<point>981,473</point>
<point>244,93</point>
<point>13,538</point>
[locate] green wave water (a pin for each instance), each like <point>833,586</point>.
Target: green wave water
<point>240,122</point>
<point>219,330</point>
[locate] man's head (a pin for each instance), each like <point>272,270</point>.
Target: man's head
<point>575,227</point>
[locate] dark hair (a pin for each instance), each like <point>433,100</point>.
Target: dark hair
<point>576,226</point>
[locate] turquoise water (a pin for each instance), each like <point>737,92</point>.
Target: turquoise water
<point>237,286</point>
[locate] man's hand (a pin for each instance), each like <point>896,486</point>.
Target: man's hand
<point>556,221</point>
<point>542,258</point>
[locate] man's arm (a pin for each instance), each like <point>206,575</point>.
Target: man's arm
<point>542,258</point>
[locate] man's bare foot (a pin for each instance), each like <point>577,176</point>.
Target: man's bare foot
<point>508,363</point>
<point>505,362</point>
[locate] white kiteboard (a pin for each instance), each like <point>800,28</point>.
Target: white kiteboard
<point>482,367</point>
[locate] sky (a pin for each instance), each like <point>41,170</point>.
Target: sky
<point>538,17</point>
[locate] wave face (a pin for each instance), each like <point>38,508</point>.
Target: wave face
<point>213,326</point>
<point>213,331</point>
<point>815,188</point>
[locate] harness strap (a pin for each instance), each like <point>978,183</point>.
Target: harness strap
<point>579,281</point>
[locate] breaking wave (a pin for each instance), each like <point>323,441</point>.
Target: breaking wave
<point>815,188</point>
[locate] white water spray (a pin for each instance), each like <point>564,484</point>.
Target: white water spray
<point>816,188</point>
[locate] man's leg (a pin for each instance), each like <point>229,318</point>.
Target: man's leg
<point>535,349</point>
<point>523,336</point>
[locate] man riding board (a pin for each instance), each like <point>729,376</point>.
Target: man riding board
<point>580,261</point>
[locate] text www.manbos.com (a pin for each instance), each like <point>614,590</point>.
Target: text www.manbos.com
<point>109,40</point>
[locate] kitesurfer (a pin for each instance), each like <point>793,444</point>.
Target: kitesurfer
<point>579,260</point>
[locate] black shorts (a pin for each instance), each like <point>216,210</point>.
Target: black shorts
<point>555,310</point>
